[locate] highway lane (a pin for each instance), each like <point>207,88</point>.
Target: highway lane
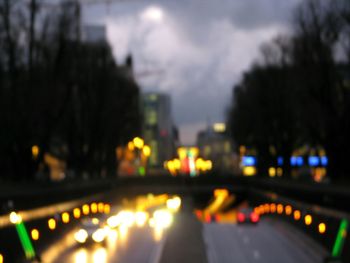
<point>133,245</point>
<point>269,241</point>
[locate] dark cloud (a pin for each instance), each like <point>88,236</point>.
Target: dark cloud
<point>202,46</point>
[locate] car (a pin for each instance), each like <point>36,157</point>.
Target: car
<point>247,215</point>
<point>91,231</point>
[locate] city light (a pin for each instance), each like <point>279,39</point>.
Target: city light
<point>273,208</point>
<point>249,170</point>
<point>322,228</point>
<point>272,171</point>
<point>138,142</point>
<point>107,209</point>
<point>297,215</point>
<point>15,218</point>
<point>131,146</point>
<point>35,151</point>
<point>51,223</point>
<point>86,209</point>
<point>288,210</point>
<point>100,207</point>
<point>162,218</point>
<point>308,220</point>
<point>249,161</point>
<point>35,234</point>
<point>94,208</point>
<point>279,208</point>
<point>1,258</point>
<point>76,212</point>
<point>146,150</point>
<point>65,217</point>
<point>81,236</point>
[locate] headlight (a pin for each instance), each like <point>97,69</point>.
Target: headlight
<point>99,235</point>
<point>162,218</point>
<point>141,218</point>
<point>81,236</point>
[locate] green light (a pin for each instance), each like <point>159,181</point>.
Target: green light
<point>142,171</point>
<point>339,241</point>
<point>25,241</point>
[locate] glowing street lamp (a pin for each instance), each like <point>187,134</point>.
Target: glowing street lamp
<point>138,142</point>
<point>146,150</point>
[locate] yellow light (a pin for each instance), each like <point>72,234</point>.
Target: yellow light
<point>95,221</point>
<point>131,146</point>
<point>138,142</point>
<point>100,207</point>
<point>297,215</point>
<point>177,164</point>
<point>35,151</point>
<point>322,228</point>
<point>94,208</point>
<point>107,209</point>
<point>194,151</point>
<point>99,235</point>
<point>273,208</point>
<point>221,192</point>
<point>141,218</point>
<point>146,150</point>
<point>76,212</point>
<point>65,217</point>
<point>173,204</point>
<point>51,223</point>
<point>279,171</point>
<point>182,152</point>
<point>249,171</point>
<point>279,208</point>
<point>15,218</point>
<point>308,220</point>
<point>81,236</point>
<point>288,210</point>
<point>208,165</point>
<point>1,258</point>
<point>86,209</point>
<point>219,127</point>
<point>162,218</point>
<point>34,234</point>
<point>81,256</point>
<point>272,171</point>
<point>200,165</point>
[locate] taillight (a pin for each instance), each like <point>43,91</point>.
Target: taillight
<point>254,217</point>
<point>240,217</point>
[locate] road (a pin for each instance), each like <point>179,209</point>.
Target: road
<point>135,245</point>
<point>269,241</point>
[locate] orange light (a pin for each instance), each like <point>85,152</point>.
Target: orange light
<point>76,213</point>
<point>279,208</point>
<point>221,192</point>
<point>266,208</point>
<point>100,207</point>
<point>65,217</point>
<point>107,209</point>
<point>34,234</point>
<point>308,220</point>
<point>273,208</point>
<point>297,215</point>
<point>51,223</point>
<point>288,210</point>
<point>322,228</point>
<point>94,208</point>
<point>257,210</point>
<point>86,209</point>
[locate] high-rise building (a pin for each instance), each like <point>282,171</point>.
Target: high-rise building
<point>158,128</point>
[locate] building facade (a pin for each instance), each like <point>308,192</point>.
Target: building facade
<point>158,128</point>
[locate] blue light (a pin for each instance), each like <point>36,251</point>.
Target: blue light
<point>324,160</point>
<point>296,161</point>
<point>280,161</point>
<point>314,161</point>
<point>249,160</point>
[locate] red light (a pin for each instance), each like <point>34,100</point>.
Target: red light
<point>254,217</point>
<point>240,217</point>
<point>207,218</point>
<point>217,218</point>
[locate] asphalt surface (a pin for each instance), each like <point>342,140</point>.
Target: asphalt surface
<point>269,241</point>
<point>135,245</point>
